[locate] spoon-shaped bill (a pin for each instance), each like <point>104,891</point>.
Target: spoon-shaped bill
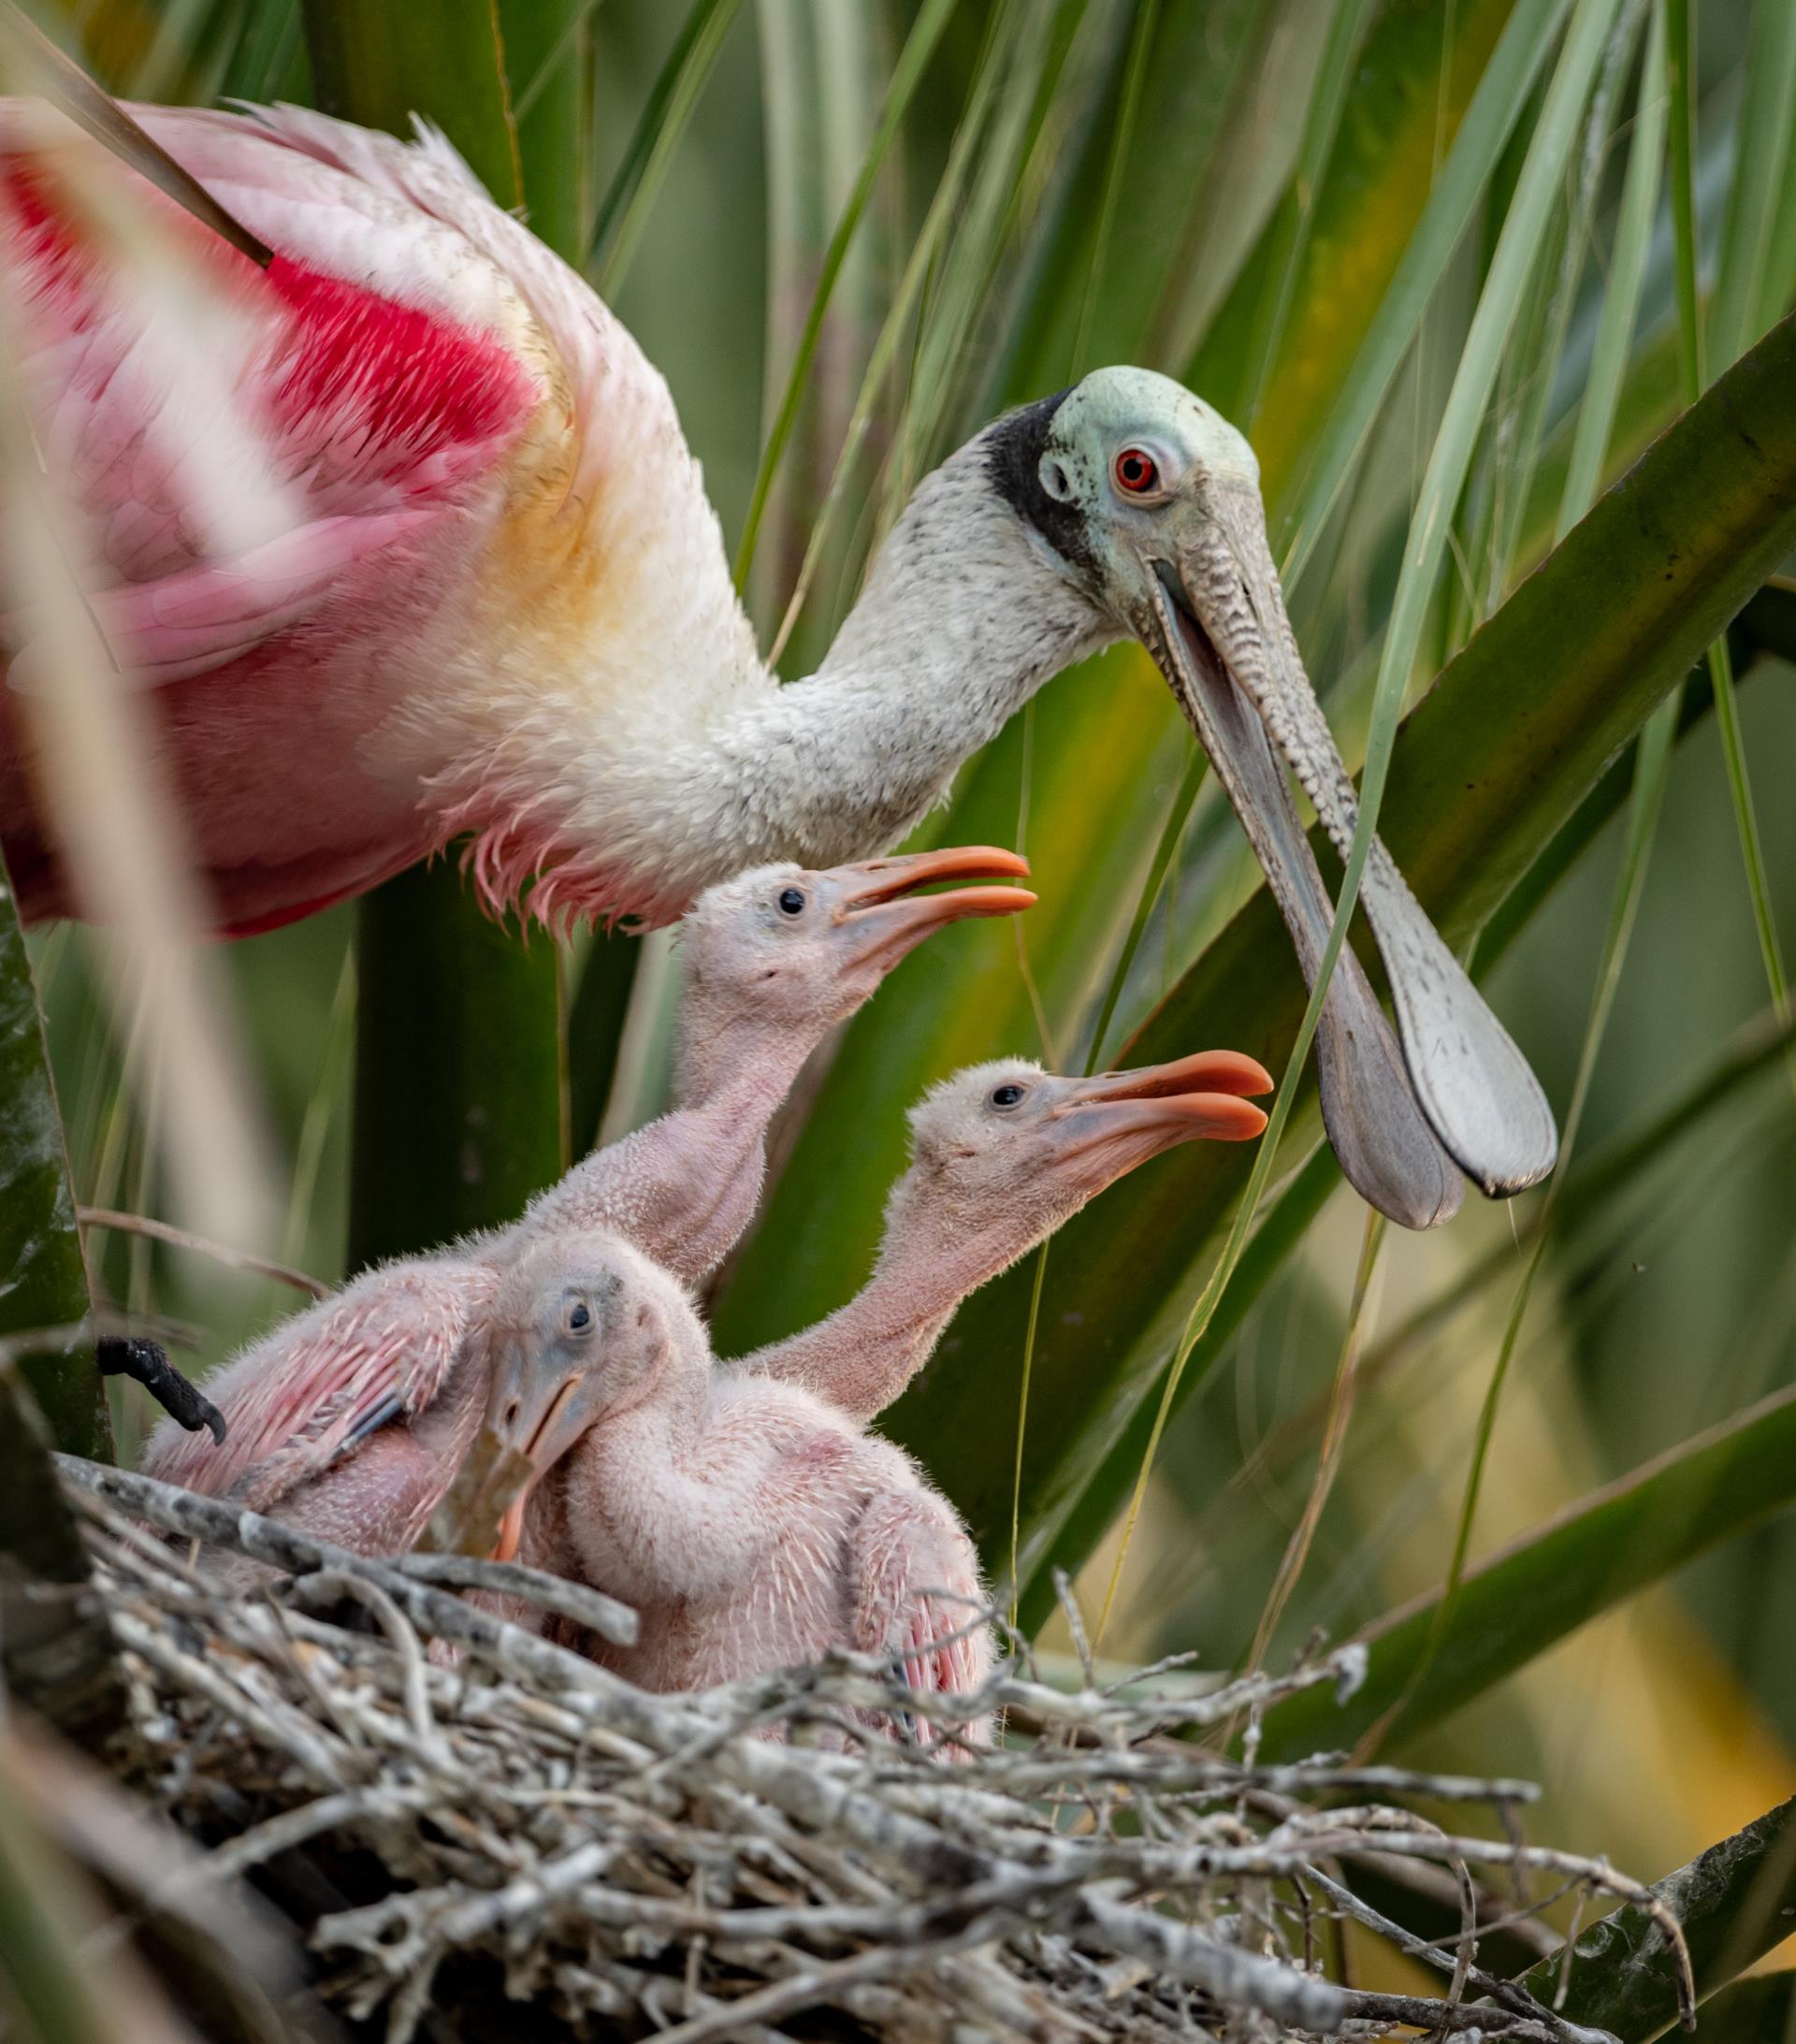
<point>542,1398</point>
<point>1385,1147</point>
<point>1475,1087</point>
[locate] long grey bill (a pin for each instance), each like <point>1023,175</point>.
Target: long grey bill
<point>1378,1132</point>
<point>1475,1087</point>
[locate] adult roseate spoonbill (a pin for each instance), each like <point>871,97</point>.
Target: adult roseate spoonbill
<point>504,611</point>
<point>753,1525</point>
<point>354,1415</point>
<point>1001,1156</point>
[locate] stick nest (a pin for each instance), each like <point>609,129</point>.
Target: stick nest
<point>463,1818</point>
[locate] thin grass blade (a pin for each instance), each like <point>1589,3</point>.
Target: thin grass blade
<point>623,213</point>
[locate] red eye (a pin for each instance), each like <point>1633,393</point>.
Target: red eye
<point>1136,471</point>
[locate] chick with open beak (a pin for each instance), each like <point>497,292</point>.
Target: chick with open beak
<point>1152,502</point>
<point>352,1417</point>
<point>1002,1154</point>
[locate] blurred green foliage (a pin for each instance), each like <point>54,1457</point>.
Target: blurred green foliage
<point>1296,205</point>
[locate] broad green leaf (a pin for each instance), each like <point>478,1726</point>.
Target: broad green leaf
<point>1621,1172</point>
<point>1280,1229</point>
<point>43,1275</point>
<point>57,1652</point>
<point>1734,1903</point>
<point>457,1114</point>
<point>459,1093</point>
<point>1518,1601</point>
<point>270,39</point>
<point>1593,1187</point>
<point>1760,2010</point>
<point>1488,768</point>
<point>380,65</point>
<point>547,54</point>
<point>1765,630</point>
<point>56,1649</point>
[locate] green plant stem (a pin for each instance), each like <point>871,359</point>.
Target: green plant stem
<point>1334,1442</point>
<point>1023,1422</point>
<point>1693,356</point>
<point>624,211</point>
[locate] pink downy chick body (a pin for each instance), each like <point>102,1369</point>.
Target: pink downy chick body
<point>752,1525</point>
<point>327,1414</point>
<point>1002,1154</point>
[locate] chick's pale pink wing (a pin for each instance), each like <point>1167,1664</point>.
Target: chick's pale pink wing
<point>361,419</point>
<point>301,1397</point>
<point>917,1597</point>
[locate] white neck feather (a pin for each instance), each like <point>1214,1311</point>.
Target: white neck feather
<point>713,767</point>
<point>964,617</point>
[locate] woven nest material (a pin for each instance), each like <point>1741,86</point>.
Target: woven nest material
<point>518,1843</point>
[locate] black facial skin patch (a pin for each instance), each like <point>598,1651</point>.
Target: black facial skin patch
<point>1013,451</point>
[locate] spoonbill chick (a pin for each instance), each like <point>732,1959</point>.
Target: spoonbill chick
<point>1002,1154</point>
<point>752,1525</point>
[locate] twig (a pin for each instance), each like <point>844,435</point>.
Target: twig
<point>201,1245</point>
<point>709,1865</point>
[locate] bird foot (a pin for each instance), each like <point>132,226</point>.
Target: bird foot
<point>148,1364</point>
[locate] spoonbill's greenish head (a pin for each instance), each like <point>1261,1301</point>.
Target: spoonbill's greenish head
<point>1148,502</point>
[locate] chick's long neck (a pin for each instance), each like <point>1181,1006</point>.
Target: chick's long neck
<point>684,1187</point>
<point>867,1352</point>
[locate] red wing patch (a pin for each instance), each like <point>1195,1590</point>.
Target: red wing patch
<point>361,389</point>
<point>410,379</point>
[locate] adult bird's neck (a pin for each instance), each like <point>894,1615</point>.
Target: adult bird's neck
<point>964,615</point>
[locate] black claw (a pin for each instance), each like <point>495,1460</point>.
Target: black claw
<point>147,1362</point>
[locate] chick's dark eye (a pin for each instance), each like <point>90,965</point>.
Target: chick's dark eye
<point>792,901</point>
<point>1006,1096</point>
<point>1136,471</point>
<point>580,1317</point>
